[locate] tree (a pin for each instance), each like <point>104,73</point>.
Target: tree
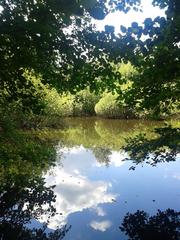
<point>157,84</point>
<point>56,40</point>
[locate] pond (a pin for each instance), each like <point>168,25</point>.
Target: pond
<point>96,186</point>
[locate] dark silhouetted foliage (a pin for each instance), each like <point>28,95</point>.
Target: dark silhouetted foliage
<point>140,226</point>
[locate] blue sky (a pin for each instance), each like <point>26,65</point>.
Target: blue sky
<point>119,18</point>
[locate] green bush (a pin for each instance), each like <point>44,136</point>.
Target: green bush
<point>60,105</point>
<point>54,103</point>
<point>63,105</point>
<point>84,103</point>
<point>109,107</point>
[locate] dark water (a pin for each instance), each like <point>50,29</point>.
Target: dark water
<point>95,188</point>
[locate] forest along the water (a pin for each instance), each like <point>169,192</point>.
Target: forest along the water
<point>89,121</point>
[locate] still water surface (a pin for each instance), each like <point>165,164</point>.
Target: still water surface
<point>95,188</point>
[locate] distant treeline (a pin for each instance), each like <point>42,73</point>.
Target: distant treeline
<point>42,105</point>
<point>86,103</point>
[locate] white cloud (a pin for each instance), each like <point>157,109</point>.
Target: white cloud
<point>101,225</point>
<point>76,193</point>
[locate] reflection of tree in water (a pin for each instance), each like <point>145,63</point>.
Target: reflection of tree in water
<point>23,194</point>
<point>106,133</point>
<point>18,231</point>
<point>163,148</point>
<point>20,202</point>
<point>164,225</point>
<point>102,155</point>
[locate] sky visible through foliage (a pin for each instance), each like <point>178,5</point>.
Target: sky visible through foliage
<point>120,18</point>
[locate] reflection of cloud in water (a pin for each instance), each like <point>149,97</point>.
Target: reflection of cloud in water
<point>101,225</point>
<point>74,191</point>
<point>116,158</point>
<point>100,212</point>
<point>73,150</point>
<point>176,177</point>
<point>76,159</point>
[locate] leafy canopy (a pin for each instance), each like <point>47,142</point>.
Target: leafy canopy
<point>57,40</point>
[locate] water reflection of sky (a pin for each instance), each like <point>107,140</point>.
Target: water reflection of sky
<point>94,198</point>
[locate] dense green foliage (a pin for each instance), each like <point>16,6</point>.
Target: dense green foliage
<point>54,63</point>
<point>84,103</point>
<point>108,106</point>
<point>33,37</point>
<point>57,41</point>
<point>50,47</point>
<point>157,85</point>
